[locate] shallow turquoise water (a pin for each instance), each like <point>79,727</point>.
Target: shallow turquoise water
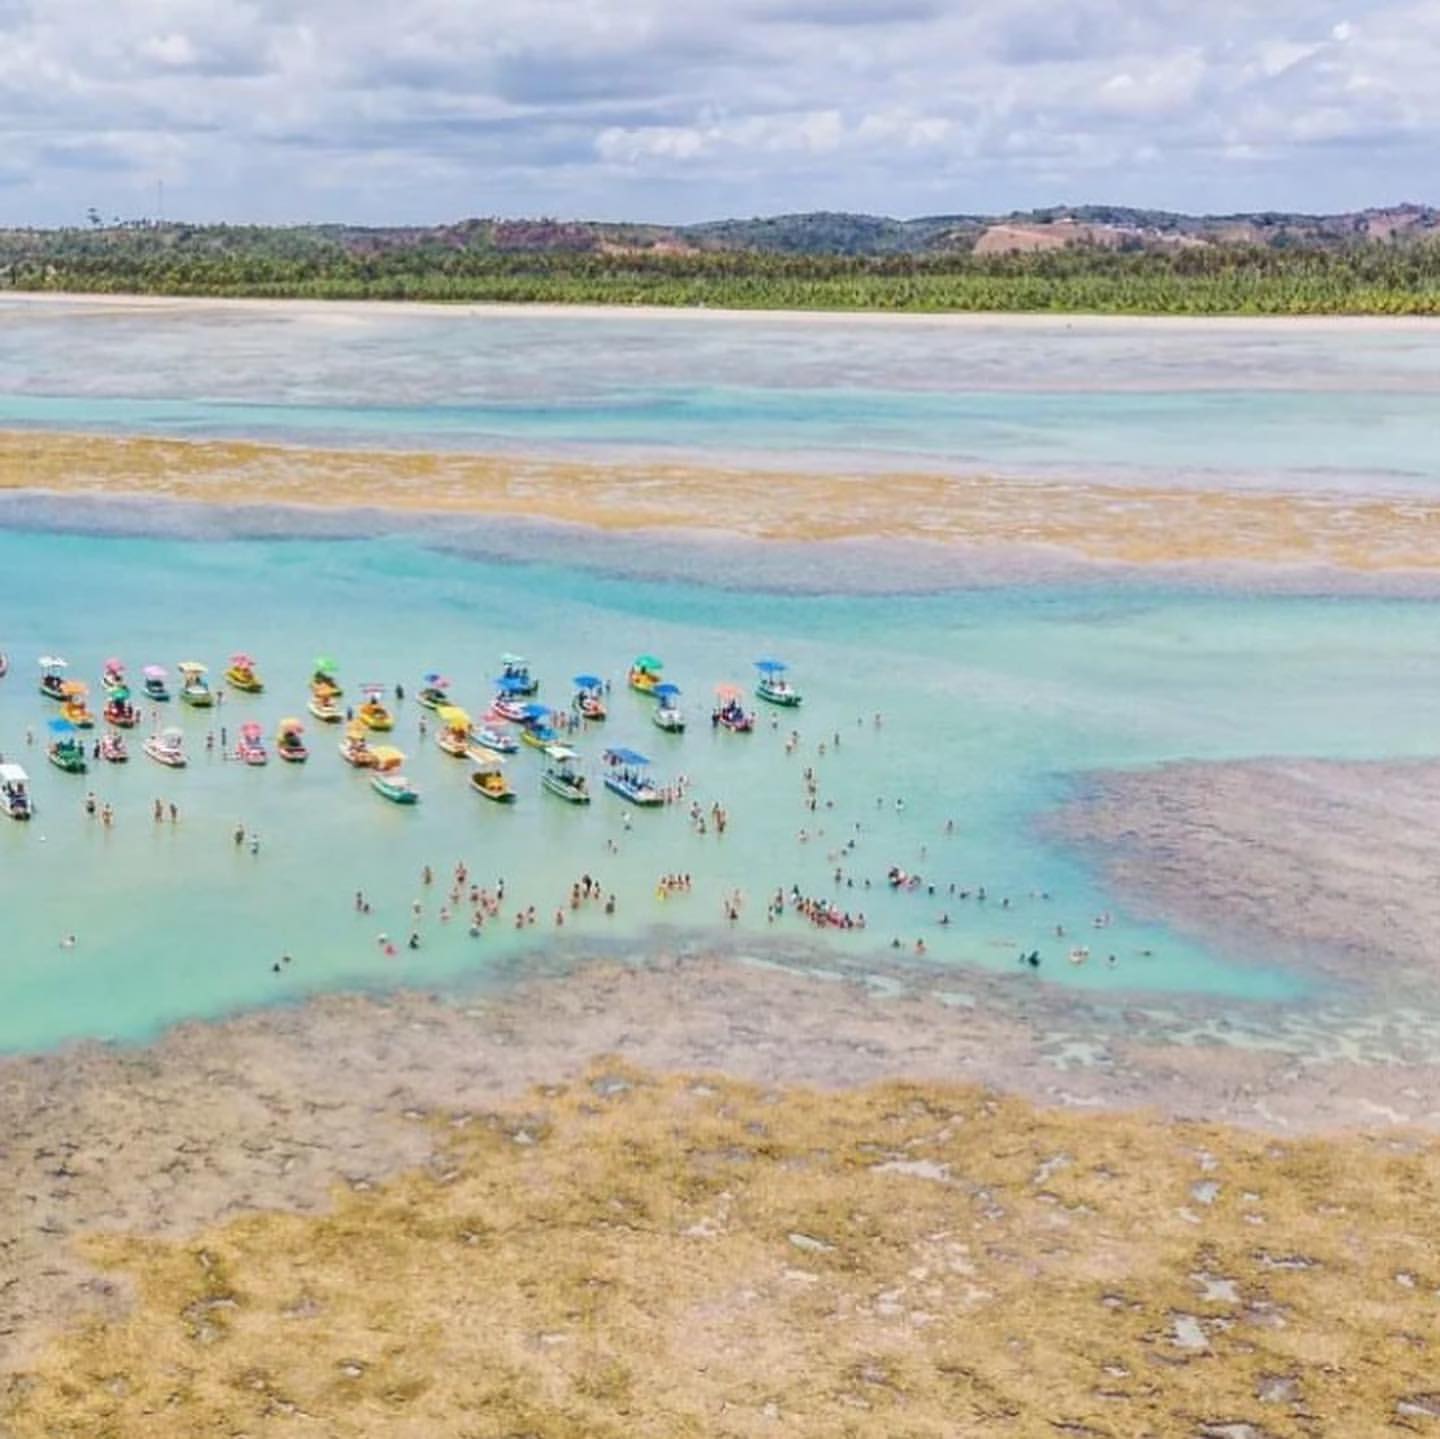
<point>1154,403</point>
<point>993,702</point>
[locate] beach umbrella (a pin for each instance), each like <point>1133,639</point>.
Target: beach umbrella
<point>587,682</point>
<point>648,662</point>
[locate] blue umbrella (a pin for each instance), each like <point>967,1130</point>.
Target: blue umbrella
<point>667,689</point>
<point>435,679</point>
<point>61,727</point>
<point>535,712</point>
<point>771,667</point>
<point>511,684</point>
<point>587,682</point>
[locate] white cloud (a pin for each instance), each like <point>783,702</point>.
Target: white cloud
<point>326,108</point>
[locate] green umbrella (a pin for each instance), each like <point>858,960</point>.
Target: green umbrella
<point>648,662</point>
<point>324,665</point>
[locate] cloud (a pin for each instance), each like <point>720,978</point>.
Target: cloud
<point>323,108</point>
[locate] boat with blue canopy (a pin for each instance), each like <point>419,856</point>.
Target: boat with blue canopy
<point>772,685</point>
<point>517,669</point>
<point>668,714</point>
<point>589,701</point>
<point>510,692</point>
<point>536,729</point>
<point>625,775</point>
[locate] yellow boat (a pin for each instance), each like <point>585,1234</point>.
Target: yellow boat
<point>74,708</point>
<point>354,750</point>
<point>242,675</point>
<point>372,713</point>
<point>453,736</point>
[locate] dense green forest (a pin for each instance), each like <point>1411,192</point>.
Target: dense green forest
<point>628,266</point>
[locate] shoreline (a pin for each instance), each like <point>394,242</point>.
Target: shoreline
<point>549,309</point>
<point>1147,528</point>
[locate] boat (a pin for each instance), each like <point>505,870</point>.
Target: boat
<point>453,736</point>
<point>323,677</point>
<point>241,675</point>
<point>66,750</point>
<point>536,731</point>
<point>668,714</point>
<point>516,670</point>
<point>4,664</point>
<point>288,744</point>
<point>772,685</point>
<point>729,713</point>
<point>113,749</point>
<point>372,712</point>
<point>15,792</point>
<point>589,701</point>
<point>488,779</point>
<point>325,704</point>
<point>561,777</point>
<point>156,684</point>
<point>52,677</point>
<point>387,780</point>
<point>112,676</point>
<point>509,702</point>
<point>433,690</point>
<point>75,709</point>
<point>645,673</point>
<point>194,687</point>
<point>355,748</point>
<point>119,711</point>
<point>250,748</point>
<point>625,775</point>
<point>167,747</point>
<point>494,739</point>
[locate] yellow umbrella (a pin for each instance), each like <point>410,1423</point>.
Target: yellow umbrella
<point>453,717</point>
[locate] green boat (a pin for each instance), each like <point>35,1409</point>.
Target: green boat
<point>395,787</point>
<point>67,750</point>
<point>772,685</point>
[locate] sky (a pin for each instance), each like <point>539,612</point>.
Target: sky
<point>431,110</point>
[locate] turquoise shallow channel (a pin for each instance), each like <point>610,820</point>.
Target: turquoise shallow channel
<point>994,701</point>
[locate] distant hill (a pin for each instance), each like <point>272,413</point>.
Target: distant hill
<point>815,233</point>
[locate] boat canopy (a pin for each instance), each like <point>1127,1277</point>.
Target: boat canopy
<point>173,736</point>
<point>112,665</point>
<point>453,717</point>
<point>53,662</point>
<point>325,665</point>
<point>587,682</point>
<point>387,755</point>
<point>13,774</point>
<point>435,680</point>
<point>624,756</point>
<point>242,661</point>
<point>356,730</point>
<point>120,694</point>
<point>511,684</point>
<point>61,727</point>
<point>534,713</point>
<point>648,662</point>
<point>727,692</point>
<point>250,730</point>
<point>372,689</point>
<point>771,667</point>
<point>666,691</point>
<point>514,661</point>
<point>291,725</point>
<point>561,753</point>
<point>75,689</point>
<point>154,672</point>
<point>192,667</point>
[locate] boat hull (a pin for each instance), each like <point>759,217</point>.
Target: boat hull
<point>786,699</point>
<point>645,798</point>
<point>396,794</point>
<point>326,713</point>
<point>169,758</point>
<point>68,763</point>
<point>250,684</point>
<point>561,790</point>
<point>504,795</point>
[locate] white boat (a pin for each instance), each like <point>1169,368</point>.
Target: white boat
<point>668,715</point>
<point>167,748</point>
<point>626,777</point>
<point>15,792</point>
<point>561,777</point>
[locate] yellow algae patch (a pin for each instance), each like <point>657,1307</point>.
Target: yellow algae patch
<point>633,1255</point>
<point>1146,525</point>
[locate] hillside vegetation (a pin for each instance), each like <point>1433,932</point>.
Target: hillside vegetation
<point>1095,259</point>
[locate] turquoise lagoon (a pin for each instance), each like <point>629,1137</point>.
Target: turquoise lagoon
<point>993,702</point>
<point>997,700</point>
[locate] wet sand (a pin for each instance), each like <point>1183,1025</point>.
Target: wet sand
<point>271,1110</point>
<point>1330,863</point>
<point>1131,525</point>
